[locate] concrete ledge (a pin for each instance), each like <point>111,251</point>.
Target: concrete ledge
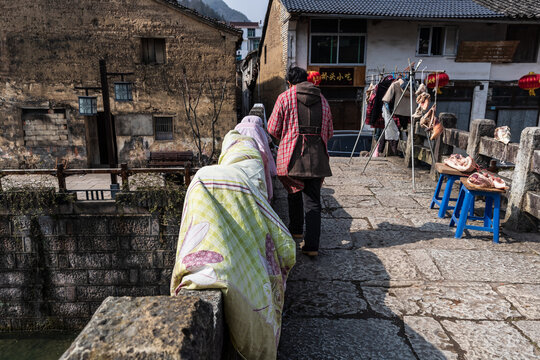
<point>189,326</point>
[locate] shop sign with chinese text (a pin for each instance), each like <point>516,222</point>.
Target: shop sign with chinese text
<point>337,76</point>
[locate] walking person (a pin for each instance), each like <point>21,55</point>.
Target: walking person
<point>301,119</point>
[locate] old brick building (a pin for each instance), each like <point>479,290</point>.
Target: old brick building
<point>49,48</point>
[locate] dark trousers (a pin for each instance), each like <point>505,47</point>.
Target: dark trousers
<point>307,204</point>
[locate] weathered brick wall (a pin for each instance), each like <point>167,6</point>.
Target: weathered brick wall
<point>56,270</point>
<point>49,47</point>
<point>273,60</point>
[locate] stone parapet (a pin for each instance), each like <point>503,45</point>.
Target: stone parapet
<point>189,326</point>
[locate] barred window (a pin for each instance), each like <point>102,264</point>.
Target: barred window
<point>163,127</point>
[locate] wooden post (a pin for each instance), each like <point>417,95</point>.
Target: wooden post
<point>523,181</point>
<point>109,130</point>
<point>61,177</point>
<point>125,176</point>
<point>187,174</point>
<point>479,128</point>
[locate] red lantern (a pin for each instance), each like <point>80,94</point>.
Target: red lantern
<point>530,82</point>
<point>437,81</point>
<point>314,77</point>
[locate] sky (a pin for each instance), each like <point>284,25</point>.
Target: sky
<point>253,9</point>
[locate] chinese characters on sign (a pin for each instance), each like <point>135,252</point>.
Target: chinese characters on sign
<point>337,76</point>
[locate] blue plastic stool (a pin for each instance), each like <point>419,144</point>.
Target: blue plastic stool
<point>443,201</point>
<point>451,175</point>
<point>465,203</point>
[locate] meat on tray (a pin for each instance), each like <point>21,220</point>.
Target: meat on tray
<point>461,163</point>
<point>486,180</point>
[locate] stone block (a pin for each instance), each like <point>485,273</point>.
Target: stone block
<point>70,309</point>
<point>25,261</point>
<point>60,243</point>
<point>94,293</point>
<point>69,277</point>
<point>15,278</point>
<point>5,227</point>
<point>150,276</point>
<point>62,293</point>
<point>10,244</point>
<point>95,225</point>
<point>89,261</point>
<point>7,262</point>
<point>131,226</point>
<point>169,259</point>
<point>108,277</point>
<point>142,243</point>
<point>137,290</point>
<point>162,327</point>
<point>96,243</point>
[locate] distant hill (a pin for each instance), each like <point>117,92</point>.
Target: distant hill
<point>225,11</point>
<point>216,9</point>
<point>201,8</point>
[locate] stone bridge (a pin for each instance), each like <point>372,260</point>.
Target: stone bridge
<point>390,282</point>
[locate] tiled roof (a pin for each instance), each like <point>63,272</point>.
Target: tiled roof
<point>514,8</point>
<point>398,8</point>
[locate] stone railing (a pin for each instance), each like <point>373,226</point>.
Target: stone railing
<point>523,209</point>
<point>188,326</point>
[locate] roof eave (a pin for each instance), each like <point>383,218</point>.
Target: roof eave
<point>500,18</point>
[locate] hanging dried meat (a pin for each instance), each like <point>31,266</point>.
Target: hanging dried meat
<point>461,163</point>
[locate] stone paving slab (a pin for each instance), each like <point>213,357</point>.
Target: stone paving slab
<point>312,298</point>
<point>531,329</point>
<point>343,339</point>
<point>488,265</point>
<point>429,339</point>
<point>356,265</point>
<point>482,340</point>
<point>470,302</point>
<point>526,298</point>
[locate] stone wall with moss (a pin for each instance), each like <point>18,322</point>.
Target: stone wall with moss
<point>56,269</point>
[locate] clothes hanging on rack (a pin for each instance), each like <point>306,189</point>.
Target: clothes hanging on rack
<point>375,108</point>
<point>393,94</point>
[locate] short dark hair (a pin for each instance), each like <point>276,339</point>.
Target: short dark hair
<point>296,75</point>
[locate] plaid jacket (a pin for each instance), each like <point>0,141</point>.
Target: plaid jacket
<point>283,124</point>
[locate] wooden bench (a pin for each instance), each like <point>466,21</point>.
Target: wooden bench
<point>170,158</point>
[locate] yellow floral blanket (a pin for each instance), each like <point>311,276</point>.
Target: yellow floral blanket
<point>231,239</point>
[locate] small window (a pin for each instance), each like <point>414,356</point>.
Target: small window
<point>255,44</point>
<point>528,36</point>
<point>251,32</point>
<point>436,41</point>
<point>153,51</point>
<point>164,127</point>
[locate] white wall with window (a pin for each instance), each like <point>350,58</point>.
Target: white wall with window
<point>251,38</point>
